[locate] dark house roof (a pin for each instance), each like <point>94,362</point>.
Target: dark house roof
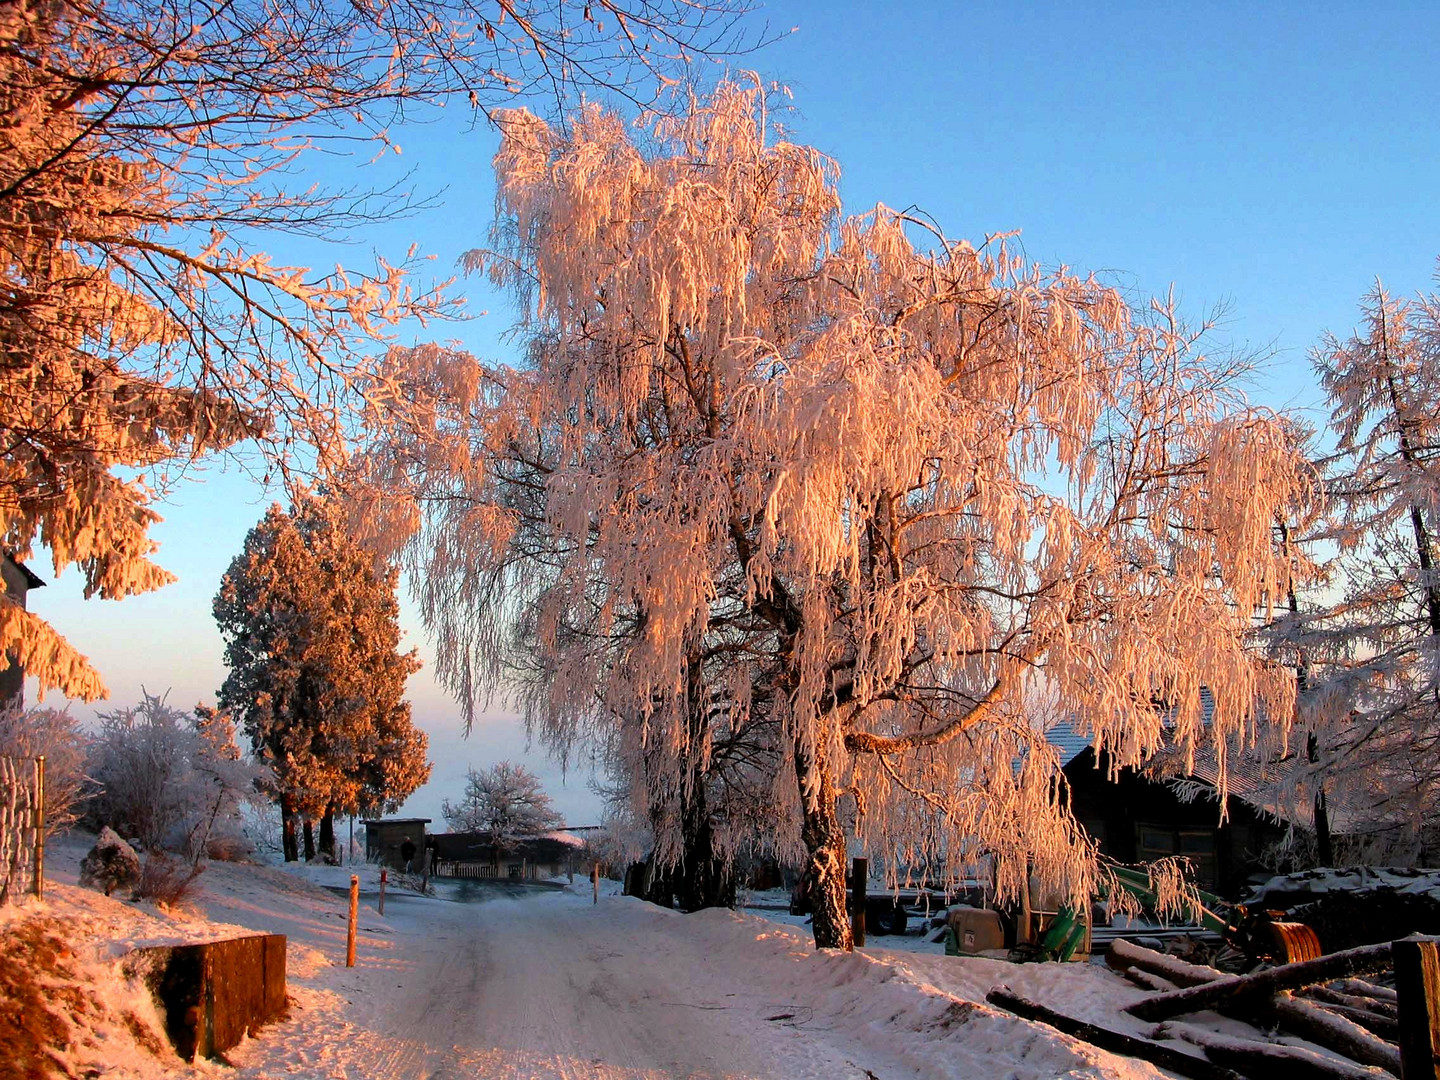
<point>32,581</point>
<point>1251,776</point>
<point>479,847</point>
<point>396,821</point>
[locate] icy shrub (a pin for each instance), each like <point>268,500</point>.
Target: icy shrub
<point>111,864</point>
<point>170,778</point>
<point>166,881</point>
<point>229,847</point>
<point>53,734</point>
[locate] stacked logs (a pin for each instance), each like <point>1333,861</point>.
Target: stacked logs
<point>1325,1001</point>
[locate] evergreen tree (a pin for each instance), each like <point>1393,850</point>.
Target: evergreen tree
<point>316,678</point>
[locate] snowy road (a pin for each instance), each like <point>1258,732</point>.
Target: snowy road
<point>552,987</point>
<point>546,988</point>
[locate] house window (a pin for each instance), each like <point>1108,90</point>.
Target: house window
<point>1197,845</point>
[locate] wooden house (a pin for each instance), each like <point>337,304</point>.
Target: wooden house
<point>18,580</point>
<point>536,858</point>
<point>1142,815</point>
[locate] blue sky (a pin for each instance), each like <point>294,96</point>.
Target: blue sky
<point>1272,160</point>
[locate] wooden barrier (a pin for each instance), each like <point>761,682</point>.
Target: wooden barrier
<point>1417,984</point>
<point>22,827</point>
<point>215,993</point>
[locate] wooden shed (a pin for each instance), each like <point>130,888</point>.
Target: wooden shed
<point>385,837</point>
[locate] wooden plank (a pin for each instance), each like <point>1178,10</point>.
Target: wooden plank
<point>1417,984</point>
<point>214,993</point>
<point>1166,1057</point>
<point>1263,985</point>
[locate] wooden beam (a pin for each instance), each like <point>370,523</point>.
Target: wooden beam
<point>1417,983</point>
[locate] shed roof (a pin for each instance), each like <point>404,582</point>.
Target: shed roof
<point>396,821</point>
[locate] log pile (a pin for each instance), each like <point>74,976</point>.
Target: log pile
<point>1366,1029</point>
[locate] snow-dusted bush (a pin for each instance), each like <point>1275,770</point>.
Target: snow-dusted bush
<point>168,778</point>
<point>53,734</point>
<point>166,881</point>
<point>111,864</point>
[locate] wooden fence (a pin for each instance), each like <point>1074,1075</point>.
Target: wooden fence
<point>22,827</point>
<point>464,870</point>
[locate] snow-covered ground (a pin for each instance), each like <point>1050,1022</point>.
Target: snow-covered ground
<point>551,985</point>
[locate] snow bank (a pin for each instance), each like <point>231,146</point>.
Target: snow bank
<point>930,1017</point>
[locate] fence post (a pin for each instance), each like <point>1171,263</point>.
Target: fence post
<point>382,892</point>
<point>859,880</point>
<point>1417,984</point>
<point>354,917</point>
<point>40,827</point>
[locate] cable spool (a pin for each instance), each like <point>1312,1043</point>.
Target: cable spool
<point>1293,942</point>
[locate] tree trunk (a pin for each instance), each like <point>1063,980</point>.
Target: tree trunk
<point>327,836</point>
<point>1337,1033</point>
<point>824,841</point>
<point>287,830</point>
<point>1324,847</point>
<point>1251,1058</point>
<point>706,878</point>
<point>309,840</point>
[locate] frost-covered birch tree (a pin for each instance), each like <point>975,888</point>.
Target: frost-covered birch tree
<point>1374,643</point>
<point>151,153</point>
<point>841,479</point>
<point>506,801</point>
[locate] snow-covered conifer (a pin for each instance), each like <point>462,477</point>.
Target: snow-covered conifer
<point>316,678</point>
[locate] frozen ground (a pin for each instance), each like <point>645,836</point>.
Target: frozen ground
<point>552,986</point>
